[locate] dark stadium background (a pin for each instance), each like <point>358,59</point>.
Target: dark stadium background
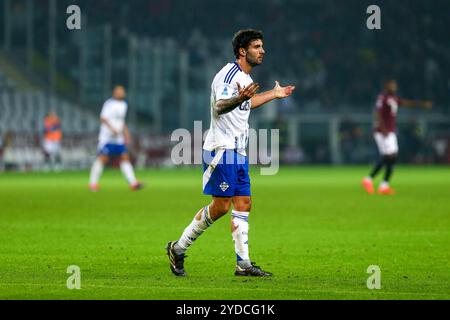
<point>166,52</point>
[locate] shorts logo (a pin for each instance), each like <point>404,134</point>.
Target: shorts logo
<point>224,186</point>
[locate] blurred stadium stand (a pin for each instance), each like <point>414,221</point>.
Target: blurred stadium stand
<point>167,51</point>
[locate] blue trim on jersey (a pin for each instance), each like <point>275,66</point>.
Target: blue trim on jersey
<point>232,75</point>
<point>229,72</point>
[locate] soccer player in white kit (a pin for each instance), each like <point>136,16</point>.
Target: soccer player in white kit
<point>113,140</point>
<point>225,161</point>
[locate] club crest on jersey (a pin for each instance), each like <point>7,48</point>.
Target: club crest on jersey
<point>224,186</point>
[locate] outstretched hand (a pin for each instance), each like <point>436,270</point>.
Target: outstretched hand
<point>247,92</point>
<point>282,92</point>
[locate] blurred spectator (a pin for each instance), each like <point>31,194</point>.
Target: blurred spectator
<point>52,141</point>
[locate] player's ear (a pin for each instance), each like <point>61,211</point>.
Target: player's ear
<point>242,51</point>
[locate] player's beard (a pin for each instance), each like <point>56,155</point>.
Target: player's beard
<point>252,61</point>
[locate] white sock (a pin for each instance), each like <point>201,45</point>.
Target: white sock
<point>96,172</point>
<point>239,225</point>
<point>201,222</point>
<point>384,185</point>
<point>128,172</point>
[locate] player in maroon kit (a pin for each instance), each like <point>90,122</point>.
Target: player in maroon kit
<point>384,133</point>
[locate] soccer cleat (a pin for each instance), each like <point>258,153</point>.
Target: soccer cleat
<point>386,190</point>
<point>136,186</point>
<point>368,185</point>
<point>253,271</point>
<point>176,260</point>
<point>94,187</point>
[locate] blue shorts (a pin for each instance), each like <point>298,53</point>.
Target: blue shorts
<point>112,150</point>
<point>225,174</point>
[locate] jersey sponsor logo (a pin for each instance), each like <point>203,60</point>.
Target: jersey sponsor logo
<point>224,186</point>
<point>245,106</point>
<point>225,91</point>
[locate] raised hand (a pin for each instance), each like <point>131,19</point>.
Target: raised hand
<point>248,92</point>
<point>282,92</point>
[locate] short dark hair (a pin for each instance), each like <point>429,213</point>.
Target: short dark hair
<point>243,38</point>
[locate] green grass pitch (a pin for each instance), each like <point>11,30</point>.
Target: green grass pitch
<point>313,227</point>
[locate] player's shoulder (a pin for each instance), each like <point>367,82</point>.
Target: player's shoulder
<point>115,102</point>
<point>228,73</point>
<point>381,98</point>
<point>108,102</point>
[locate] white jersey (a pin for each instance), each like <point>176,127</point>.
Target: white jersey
<point>114,111</point>
<point>230,130</point>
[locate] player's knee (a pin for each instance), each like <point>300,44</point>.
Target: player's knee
<point>244,205</point>
<point>125,157</point>
<point>104,159</point>
<point>394,158</point>
<point>391,159</point>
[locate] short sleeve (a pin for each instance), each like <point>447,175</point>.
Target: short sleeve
<point>106,110</point>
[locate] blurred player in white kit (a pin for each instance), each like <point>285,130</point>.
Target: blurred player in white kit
<point>114,138</point>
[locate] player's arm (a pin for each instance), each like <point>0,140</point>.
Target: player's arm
<point>106,123</point>
<point>227,105</point>
<point>278,92</point>
<point>416,103</point>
